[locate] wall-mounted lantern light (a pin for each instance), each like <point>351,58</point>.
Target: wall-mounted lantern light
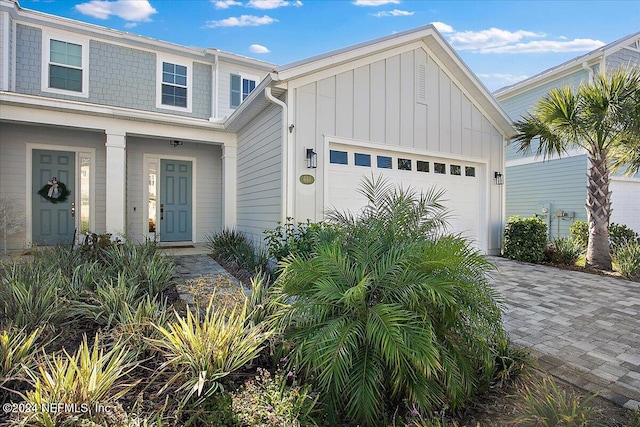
<point>175,142</point>
<point>312,158</point>
<point>498,178</point>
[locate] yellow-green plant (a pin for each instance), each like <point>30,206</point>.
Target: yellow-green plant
<point>90,377</point>
<point>201,350</point>
<point>15,349</point>
<point>545,405</point>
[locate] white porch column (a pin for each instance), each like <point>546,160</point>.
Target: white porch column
<point>116,182</point>
<point>229,189</point>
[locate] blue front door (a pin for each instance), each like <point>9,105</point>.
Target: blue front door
<point>175,201</point>
<point>52,211</point>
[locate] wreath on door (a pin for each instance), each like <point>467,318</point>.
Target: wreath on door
<point>54,191</point>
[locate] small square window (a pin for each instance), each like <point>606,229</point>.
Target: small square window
<point>440,168</point>
<point>384,162</point>
<point>469,171</point>
<point>338,157</point>
<point>404,164</point>
<point>455,170</point>
<point>240,89</point>
<point>362,159</point>
<point>422,166</point>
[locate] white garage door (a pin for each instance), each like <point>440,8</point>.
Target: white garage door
<point>460,180</point>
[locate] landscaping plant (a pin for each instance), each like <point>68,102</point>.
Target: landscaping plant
<point>563,250</point>
<point>235,248</point>
<point>201,350</point>
<point>525,239</point>
<point>627,259</point>
<point>389,311</point>
<point>290,238</point>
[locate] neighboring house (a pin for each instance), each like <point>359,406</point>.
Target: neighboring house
<point>174,143</point>
<point>557,189</point>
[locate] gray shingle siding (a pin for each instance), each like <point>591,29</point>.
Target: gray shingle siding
<point>119,76</point>
<point>622,58</point>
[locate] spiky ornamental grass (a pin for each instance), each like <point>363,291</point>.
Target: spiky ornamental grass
<point>390,310</point>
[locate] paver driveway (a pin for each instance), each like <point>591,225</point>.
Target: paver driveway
<point>585,328</point>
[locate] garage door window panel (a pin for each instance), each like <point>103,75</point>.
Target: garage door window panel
<point>469,171</point>
<point>404,164</point>
<point>362,159</point>
<point>455,170</point>
<point>422,166</point>
<point>440,168</point>
<point>338,157</point>
<point>384,162</point>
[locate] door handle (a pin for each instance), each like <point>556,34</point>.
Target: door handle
<point>73,210</point>
<point>161,212</point>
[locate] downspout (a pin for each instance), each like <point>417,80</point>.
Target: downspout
<point>285,151</point>
<point>588,70</point>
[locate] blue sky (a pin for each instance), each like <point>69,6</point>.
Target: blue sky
<point>501,41</point>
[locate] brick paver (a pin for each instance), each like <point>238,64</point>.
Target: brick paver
<point>585,328</point>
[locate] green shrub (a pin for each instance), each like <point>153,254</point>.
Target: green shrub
<point>620,235</point>
<point>274,400</point>
<point>389,312</point>
<point>563,251</point>
<point>91,376</point>
<point>525,239</point>
<point>200,351</point>
<point>545,405</point>
<point>234,247</point>
<point>579,232</point>
<point>627,259</point>
<point>289,238</point>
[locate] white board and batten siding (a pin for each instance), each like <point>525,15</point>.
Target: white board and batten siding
<point>259,184</point>
<point>207,178</point>
<point>406,102</point>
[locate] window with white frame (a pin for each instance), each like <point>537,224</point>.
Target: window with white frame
<point>241,87</point>
<point>174,83</point>
<point>65,64</point>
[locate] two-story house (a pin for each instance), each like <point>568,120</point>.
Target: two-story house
<point>557,189</point>
<point>152,139</point>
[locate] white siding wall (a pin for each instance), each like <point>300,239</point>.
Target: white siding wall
<point>13,161</point>
<point>225,69</point>
<point>625,201</point>
<point>377,103</point>
<point>259,183</point>
<point>207,178</point>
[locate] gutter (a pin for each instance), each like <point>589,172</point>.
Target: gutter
<point>285,152</point>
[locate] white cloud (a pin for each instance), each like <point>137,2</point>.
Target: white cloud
<point>242,21</point>
<point>131,25</point>
<point>442,27</point>
<point>394,12</point>
<point>258,48</point>
<point>541,46</point>
<point>272,4</point>
<point>375,2</point>
<point>129,10</point>
<point>496,40</point>
<point>226,4</point>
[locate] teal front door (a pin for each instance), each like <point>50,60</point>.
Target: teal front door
<point>53,212</point>
<point>175,201</point>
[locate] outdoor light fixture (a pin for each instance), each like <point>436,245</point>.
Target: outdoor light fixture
<point>498,177</point>
<point>175,142</point>
<point>312,158</point>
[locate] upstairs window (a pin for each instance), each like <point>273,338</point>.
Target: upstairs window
<point>174,85</point>
<point>240,88</point>
<point>65,64</point>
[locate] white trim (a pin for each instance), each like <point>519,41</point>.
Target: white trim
<point>14,57</point>
<point>146,158</point>
<point>6,47</point>
<point>620,178</point>
<point>63,36</point>
<point>572,152</point>
<point>30,146</point>
<point>172,59</point>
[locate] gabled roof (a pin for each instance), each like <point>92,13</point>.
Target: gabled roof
<point>589,58</point>
<point>427,34</point>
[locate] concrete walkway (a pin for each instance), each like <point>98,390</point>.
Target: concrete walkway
<point>584,328</point>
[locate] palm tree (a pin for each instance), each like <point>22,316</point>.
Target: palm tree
<point>602,118</point>
<point>388,311</point>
